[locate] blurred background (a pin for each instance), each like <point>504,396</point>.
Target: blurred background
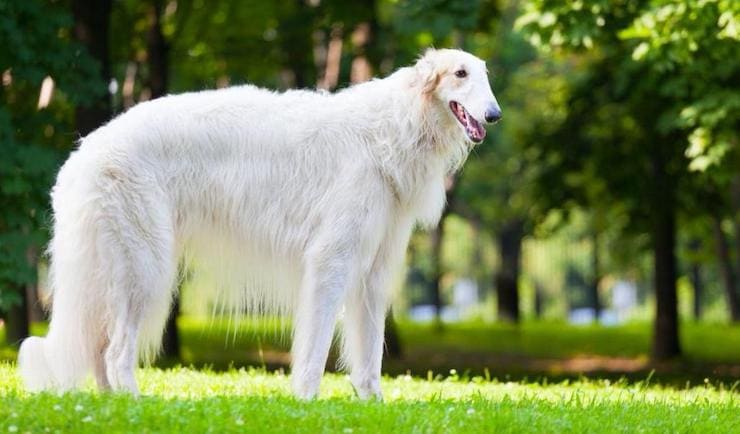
<point>595,232</point>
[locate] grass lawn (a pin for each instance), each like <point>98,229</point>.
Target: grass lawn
<point>190,401</point>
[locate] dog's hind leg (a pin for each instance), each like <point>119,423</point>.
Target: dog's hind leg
<point>327,277</point>
<point>121,355</point>
<point>138,319</point>
<point>138,239</point>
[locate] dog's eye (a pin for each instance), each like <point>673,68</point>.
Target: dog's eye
<point>461,73</point>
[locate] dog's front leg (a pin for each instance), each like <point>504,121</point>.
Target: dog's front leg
<point>364,323</point>
<point>365,310</point>
<point>327,277</point>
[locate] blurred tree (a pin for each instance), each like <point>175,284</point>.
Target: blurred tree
<point>91,23</point>
<point>729,275</point>
<point>594,298</point>
<point>705,227</point>
<point>696,278</point>
<point>586,146</point>
<point>695,44</point>
<point>44,74</point>
<point>635,107</point>
<point>496,183</point>
<point>393,348</point>
<point>436,236</point>
<point>509,238</point>
<point>157,50</point>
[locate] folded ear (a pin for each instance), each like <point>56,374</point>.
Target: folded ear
<point>428,73</point>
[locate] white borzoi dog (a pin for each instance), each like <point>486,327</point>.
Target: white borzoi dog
<point>298,202</point>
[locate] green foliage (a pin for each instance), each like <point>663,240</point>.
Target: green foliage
<point>208,42</point>
<point>435,20</point>
<point>45,51</point>
<point>256,401</point>
<point>618,131</point>
<point>689,52</point>
<point>32,140</point>
<point>210,45</point>
<point>697,44</point>
<point>655,98</point>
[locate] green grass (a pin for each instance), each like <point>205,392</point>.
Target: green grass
<point>190,401</point>
<point>253,400</point>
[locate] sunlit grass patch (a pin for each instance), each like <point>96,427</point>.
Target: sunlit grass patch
<point>186,400</point>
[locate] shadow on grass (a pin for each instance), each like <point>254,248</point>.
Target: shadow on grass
<point>541,351</point>
<point>534,351</point>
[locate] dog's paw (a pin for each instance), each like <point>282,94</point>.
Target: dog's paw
<point>368,389</point>
<point>306,387</point>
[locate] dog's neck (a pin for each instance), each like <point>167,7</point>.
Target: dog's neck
<point>422,145</point>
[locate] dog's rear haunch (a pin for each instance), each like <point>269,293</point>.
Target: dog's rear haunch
<point>300,203</point>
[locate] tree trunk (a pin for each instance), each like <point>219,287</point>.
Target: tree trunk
<point>171,337</point>
<point>361,69</point>
<point>35,309</point>
<point>729,277</point>
<point>735,201</point>
<point>437,237</point>
<point>538,300</point>
<point>665,338</point>
<point>392,341</point>
<point>509,239</point>
<point>697,283</point>
<point>596,276</point>
<point>17,326</point>
<point>366,58</point>
<point>476,268</point>
<point>92,18</point>
<point>295,40</point>
<point>695,276</point>
<point>157,53</point>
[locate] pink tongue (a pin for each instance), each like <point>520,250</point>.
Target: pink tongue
<point>478,131</point>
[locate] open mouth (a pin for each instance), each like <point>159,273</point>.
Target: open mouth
<point>473,128</point>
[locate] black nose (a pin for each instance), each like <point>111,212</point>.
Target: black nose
<point>493,114</point>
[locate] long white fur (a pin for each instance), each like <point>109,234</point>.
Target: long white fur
<point>297,203</point>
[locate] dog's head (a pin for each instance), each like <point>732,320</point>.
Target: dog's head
<point>458,82</point>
